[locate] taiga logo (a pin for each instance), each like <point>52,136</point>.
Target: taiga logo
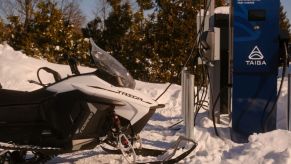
<point>256,58</point>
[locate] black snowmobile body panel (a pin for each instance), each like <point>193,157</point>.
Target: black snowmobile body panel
<point>13,97</point>
<point>45,118</point>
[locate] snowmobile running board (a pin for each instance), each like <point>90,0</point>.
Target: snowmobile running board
<point>12,153</point>
<point>167,159</point>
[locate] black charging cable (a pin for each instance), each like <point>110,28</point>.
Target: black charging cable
<point>269,114</point>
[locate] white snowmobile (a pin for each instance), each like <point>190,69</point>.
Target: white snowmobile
<point>78,112</point>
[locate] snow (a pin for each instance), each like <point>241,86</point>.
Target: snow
<point>273,147</point>
<point>222,10</point>
<point>217,10</point>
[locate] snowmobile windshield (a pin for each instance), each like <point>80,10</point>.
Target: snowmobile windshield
<point>110,65</point>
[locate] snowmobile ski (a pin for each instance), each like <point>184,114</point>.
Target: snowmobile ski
<point>166,159</point>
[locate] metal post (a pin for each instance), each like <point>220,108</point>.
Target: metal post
<point>288,105</point>
<point>183,84</point>
<point>230,61</point>
<point>211,13</point>
<point>188,103</point>
<point>214,71</point>
<point>211,27</point>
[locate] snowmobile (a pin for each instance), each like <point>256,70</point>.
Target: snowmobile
<point>75,113</point>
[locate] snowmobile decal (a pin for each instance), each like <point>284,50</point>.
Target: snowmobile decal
<point>123,93</point>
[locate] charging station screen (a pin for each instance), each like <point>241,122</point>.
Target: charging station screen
<point>257,15</point>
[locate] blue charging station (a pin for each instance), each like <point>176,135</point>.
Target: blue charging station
<point>255,64</point>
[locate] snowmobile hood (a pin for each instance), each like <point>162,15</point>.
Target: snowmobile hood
<point>129,103</point>
<point>92,85</point>
<point>118,94</point>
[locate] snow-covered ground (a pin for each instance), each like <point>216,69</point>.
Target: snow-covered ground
<point>273,147</point>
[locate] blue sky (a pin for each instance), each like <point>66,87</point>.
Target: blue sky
<point>90,6</point>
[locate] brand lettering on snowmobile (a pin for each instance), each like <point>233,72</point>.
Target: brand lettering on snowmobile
<point>129,95</point>
<point>123,93</point>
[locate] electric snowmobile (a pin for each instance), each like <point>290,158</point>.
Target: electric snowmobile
<point>75,113</point>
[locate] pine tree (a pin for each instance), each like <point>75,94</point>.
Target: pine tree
<point>145,4</point>
<point>284,21</point>
<point>112,33</point>
<point>153,48</point>
<point>4,33</point>
<point>138,46</point>
<point>17,36</point>
<point>220,3</point>
<point>48,34</point>
<point>173,34</point>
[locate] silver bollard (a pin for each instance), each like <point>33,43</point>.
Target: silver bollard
<point>289,104</point>
<point>188,103</point>
<point>183,93</point>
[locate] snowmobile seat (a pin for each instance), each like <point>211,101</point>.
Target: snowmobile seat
<point>13,97</point>
<point>20,107</point>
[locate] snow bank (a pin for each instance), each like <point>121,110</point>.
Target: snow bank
<point>222,10</point>
<point>273,147</point>
<point>16,69</point>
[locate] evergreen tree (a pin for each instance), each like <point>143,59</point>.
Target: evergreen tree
<point>138,46</point>
<point>284,21</point>
<point>112,34</point>
<point>173,35</point>
<point>145,4</point>
<point>117,25</point>
<point>3,31</point>
<point>123,33</point>
<point>153,48</point>
<point>16,37</point>
<point>220,3</point>
<point>48,34</point>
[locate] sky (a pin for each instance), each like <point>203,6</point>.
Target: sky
<point>90,7</point>
<point>287,7</point>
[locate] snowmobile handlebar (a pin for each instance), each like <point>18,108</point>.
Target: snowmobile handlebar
<point>56,75</point>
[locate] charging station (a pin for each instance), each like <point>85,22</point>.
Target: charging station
<point>242,49</point>
<point>255,50</point>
